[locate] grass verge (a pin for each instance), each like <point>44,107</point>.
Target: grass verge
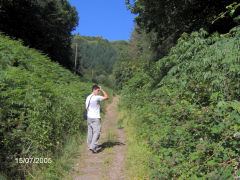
<point>61,165</point>
<point>120,123</point>
<point>137,154</point>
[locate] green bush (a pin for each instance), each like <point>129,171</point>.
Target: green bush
<point>187,108</point>
<point>41,104</point>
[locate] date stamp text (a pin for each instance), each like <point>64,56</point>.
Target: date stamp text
<point>38,160</point>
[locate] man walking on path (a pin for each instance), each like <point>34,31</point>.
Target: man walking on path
<point>93,116</point>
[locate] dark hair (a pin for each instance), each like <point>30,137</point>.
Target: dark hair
<point>95,87</point>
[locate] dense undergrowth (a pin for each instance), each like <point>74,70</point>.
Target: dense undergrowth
<point>186,108</point>
<point>41,105</point>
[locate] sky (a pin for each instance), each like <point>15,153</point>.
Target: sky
<point>109,19</point>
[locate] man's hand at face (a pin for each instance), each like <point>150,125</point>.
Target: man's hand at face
<point>105,96</point>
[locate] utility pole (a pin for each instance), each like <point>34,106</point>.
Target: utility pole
<point>75,70</point>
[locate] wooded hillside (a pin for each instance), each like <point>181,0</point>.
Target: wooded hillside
<point>95,58</point>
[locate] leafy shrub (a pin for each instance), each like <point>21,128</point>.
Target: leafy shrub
<point>41,104</point>
<point>187,108</point>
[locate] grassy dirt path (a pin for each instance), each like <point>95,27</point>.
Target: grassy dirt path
<point>108,163</point>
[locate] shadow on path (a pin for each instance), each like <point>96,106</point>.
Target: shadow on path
<point>108,144</point>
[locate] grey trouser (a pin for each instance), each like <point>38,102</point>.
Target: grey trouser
<point>94,128</point>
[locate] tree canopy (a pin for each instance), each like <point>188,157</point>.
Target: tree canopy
<point>44,25</point>
<point>170,18</point>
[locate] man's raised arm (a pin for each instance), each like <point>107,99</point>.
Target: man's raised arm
<point>105,96</point>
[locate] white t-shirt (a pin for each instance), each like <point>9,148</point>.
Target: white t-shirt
<point>94,106</point>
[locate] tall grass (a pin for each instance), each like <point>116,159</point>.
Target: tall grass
<point>138,156</point>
